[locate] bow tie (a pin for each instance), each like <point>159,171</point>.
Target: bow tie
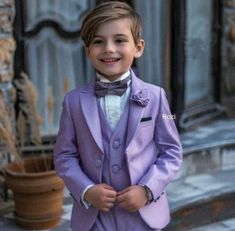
<point>113,88</point>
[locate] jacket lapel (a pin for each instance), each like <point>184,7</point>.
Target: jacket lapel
<point>136,110</point>
<point>91,113</point>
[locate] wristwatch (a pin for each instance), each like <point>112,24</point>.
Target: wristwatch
<point>149,194</point>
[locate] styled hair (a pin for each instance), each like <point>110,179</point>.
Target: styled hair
<point>106,12</point>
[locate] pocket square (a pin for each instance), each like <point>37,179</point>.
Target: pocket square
<point>144,119</point>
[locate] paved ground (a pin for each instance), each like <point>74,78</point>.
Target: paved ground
<point>227,225</point>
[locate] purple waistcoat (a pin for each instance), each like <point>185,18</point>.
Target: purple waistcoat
<point>115,173</point>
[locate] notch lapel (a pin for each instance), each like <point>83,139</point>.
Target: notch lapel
<point>91,114</point>
<point>135,110</point>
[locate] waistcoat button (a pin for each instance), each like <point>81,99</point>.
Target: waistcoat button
<point>115,168</point>
<point>98,163</point>
<point>116,144</point>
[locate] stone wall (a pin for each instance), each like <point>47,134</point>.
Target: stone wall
<point>7,44</point>
<point>7,91</point>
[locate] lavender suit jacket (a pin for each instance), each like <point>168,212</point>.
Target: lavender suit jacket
<point>153,149</point>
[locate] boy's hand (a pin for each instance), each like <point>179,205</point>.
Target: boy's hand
<point>101,196</point>
<point>132,198</point>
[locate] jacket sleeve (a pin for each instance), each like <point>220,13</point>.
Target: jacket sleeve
<point>66,155</point>
<point>169,157</point>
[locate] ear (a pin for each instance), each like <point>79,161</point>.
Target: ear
<point>139,48</point>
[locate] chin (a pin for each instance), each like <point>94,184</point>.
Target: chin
<point>110,74</point>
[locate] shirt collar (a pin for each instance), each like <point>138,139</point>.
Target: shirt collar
<point>105,80</point>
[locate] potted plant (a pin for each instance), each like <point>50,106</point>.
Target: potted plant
<point>37,190</point>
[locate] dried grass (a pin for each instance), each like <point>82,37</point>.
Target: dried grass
<point>27,125</point>
<point>28,119</point>
<point>6,132</point>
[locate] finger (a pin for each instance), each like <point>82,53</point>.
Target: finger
<point>106,186</point>
<point>111,200</point>
<point>111,194</point>
<point>123,191</point>
<point>121,198</point>
<point>104,209</point>
<point>107,207</point>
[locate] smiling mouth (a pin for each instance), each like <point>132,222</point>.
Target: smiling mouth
<point>110,60</point>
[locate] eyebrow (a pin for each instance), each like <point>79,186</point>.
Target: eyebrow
<point>116,35</point>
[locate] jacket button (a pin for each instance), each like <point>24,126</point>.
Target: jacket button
<point>116,144</point>
<point>115,168</point>
<point>98,163</point>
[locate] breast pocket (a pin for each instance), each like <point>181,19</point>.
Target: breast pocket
<point>146,121</point>
<point>145,132</point>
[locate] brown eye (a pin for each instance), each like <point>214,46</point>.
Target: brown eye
<point>120,40</point>
<point>97,41</point>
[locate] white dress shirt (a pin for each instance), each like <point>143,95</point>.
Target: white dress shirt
<point>113,105</point>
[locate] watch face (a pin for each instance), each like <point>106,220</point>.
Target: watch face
<point>149,195</point>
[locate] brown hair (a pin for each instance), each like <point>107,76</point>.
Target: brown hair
<point>106,12</point>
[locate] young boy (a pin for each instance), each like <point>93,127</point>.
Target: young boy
<point>114,150</point>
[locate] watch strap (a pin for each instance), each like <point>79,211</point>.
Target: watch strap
<point>149,194</point>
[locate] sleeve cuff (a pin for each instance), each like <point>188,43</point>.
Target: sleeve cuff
<point>85,203</point>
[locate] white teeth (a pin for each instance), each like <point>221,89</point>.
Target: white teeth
<point>110,59</point>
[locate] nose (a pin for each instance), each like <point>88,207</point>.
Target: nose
<point>109,47</point>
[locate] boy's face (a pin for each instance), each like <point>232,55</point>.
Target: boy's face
<point>112,49</point>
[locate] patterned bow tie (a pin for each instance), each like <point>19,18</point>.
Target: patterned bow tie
<point>113,88</point>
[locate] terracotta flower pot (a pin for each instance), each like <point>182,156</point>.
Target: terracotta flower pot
<point>38,192</point>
